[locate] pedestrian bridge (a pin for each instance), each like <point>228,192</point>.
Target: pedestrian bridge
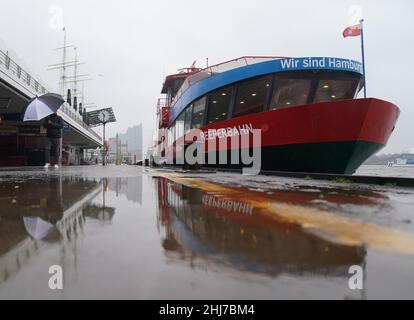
<point>17,87</point>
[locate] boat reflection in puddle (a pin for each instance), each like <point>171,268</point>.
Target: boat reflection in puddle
<point>232,232</point>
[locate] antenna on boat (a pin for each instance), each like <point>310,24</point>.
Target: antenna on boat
<point>354,31</point>
<point>363,56</point>
<point>207,62</point>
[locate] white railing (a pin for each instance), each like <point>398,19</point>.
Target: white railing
<point>19,75</point>
<point>21,79</point>
<point>219,68</point>
<point>161,103</point>
<point>75,116</point>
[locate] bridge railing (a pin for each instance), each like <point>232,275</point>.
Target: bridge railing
<point>23,79</point>
<point>68,110</point>
<point>20,75</point>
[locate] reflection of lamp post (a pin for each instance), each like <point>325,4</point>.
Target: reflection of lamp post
<point>104,117</point>
<point>104,147</point>
<point>103,197</point>
<point>104,189</point>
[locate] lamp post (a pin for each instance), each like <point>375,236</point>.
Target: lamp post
<point>104,117</point>
<point>104,149</point>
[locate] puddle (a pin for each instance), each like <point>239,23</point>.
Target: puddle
<point>121,232</point>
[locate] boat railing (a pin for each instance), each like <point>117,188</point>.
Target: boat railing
<point>161,103</point>
<point>219,68</point>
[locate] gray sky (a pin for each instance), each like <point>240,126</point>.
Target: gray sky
<point>134,44</point>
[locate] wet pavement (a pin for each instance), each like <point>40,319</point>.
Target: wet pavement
<point>131,232</point>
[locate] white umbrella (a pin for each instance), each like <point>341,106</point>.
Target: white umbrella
<point>43,106</point>
<point>36,227</point>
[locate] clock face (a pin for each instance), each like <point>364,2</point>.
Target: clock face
<point>103,116</point>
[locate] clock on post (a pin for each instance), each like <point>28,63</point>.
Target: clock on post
<point>101,117</point>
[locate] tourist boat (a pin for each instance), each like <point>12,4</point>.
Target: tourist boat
<point>401,163</point>
<point>306,109</point>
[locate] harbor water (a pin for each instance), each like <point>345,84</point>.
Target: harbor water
<point>385,171</point>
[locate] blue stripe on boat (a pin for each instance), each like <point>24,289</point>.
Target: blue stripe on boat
<point>211,83</point>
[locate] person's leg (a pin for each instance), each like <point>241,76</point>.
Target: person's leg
<point>47,151</point>
<point>56,150</point>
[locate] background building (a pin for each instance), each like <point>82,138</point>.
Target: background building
<point>126,147</point>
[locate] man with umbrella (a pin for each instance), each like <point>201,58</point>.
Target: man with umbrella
<point>54,125</point>
<point>46,106</point>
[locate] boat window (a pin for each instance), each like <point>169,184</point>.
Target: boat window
<point>218,104</point>
<point>251,96</point>
<point>199,107</point>
<point>188,113</point>
<point>338,89</point>
<point>179,126</point>
<point>290,92</point>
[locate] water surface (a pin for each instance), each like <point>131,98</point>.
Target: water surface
<point>128,232</point>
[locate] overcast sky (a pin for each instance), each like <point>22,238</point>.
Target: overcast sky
<point>134,44</point>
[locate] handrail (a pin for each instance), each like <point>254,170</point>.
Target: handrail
<point>74,116</point>
<point>19,74</point>
<point>161,103</point>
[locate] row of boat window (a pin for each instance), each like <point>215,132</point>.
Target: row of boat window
<point>252,96</point>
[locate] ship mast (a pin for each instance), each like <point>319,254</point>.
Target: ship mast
<point>75,74</point>
<point>63,65</point>
<point>64,79</point>
<point>63,70</point>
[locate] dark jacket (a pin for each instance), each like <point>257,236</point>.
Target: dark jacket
<point>54,126</point>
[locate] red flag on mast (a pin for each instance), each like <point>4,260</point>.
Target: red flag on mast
<point>352,31</point>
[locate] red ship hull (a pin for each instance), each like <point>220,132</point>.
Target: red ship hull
<point>330,137</point>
